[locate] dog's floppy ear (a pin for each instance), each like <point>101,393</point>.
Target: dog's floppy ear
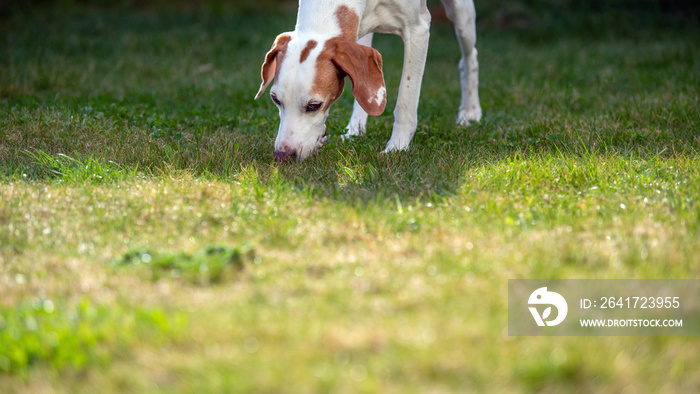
<point>272,61</point>
<point>364,67</point>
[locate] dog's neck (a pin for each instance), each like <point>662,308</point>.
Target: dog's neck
<point>315,18</point>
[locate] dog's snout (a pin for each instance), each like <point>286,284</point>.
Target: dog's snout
<point>284,155</point>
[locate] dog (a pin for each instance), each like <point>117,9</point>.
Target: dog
<point>309,66</point>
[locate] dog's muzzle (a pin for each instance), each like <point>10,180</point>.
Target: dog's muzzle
<point>285,154</point>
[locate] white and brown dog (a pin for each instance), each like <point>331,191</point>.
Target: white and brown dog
<point>309,66</point>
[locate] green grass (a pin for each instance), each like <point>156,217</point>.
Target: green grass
<point>209,266</point>
<point>39,332</point>
<point>148,243</point>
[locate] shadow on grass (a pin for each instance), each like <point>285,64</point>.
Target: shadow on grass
<point>354,171</point>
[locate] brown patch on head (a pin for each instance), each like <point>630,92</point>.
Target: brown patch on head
<point>329,81</point>
<point>348,21</point>
<point>362,64</point>
<point>273,61</point>
<point>307,49</point>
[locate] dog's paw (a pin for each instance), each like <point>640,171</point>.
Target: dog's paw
<point>465,116</point>
<point>348,136</point>
<point>352,132</point>
<point>395,146</point>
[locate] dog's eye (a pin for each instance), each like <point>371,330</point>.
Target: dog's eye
<point>275,100</point>
<point>313,106</point>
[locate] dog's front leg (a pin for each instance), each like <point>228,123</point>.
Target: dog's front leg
<point>358,120</point>
<point>415,41</point>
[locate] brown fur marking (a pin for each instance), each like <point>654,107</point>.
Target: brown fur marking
<point>348,21</point>
<point>329,80</point>
<point>307,49</point>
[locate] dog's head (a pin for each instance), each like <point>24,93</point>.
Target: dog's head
<point>309,74</point>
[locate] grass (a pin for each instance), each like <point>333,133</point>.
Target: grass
<point>148,243</point>
<point>209,266</point>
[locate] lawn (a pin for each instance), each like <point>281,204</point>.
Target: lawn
<point>148,243</point>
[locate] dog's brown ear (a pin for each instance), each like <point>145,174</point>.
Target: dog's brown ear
<point>364,67</point>
<point>273,59</point>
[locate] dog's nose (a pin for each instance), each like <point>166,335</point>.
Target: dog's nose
<point>284,155</point>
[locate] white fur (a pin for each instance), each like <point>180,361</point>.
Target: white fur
<point>409,19</point>
<point>379,97</point>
